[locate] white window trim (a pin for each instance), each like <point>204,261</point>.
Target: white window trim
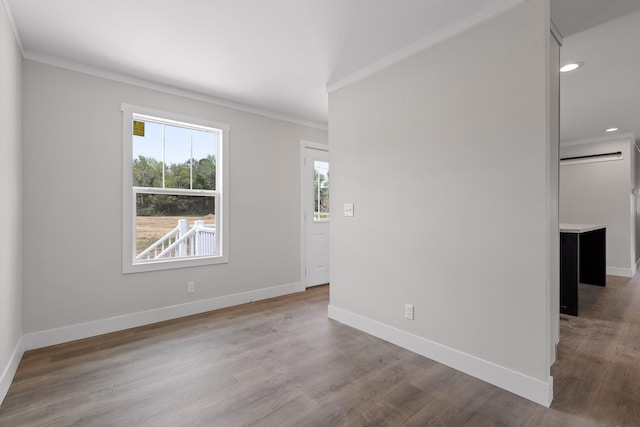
<point>128,202</point>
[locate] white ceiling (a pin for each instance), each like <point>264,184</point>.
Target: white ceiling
<point>605,92</point>
<point>280,55</point>
<point>276,55</point>
<point>573,16</point>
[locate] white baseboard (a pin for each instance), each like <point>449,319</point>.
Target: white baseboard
<point>98,327</point>
<point>10,370</point>
<point>540,392</point>
<point>623,272</point>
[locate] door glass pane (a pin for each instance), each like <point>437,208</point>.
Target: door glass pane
<point>321,191</point>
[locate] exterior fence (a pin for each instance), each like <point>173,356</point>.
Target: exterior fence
<point>183,241</point>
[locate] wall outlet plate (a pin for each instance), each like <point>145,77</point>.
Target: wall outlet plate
<point>408,311</point>
<point>191,287</point>
<point>348,209</point>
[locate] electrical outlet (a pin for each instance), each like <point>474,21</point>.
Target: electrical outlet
<point>408,311</point>
<point>348,209</point>
<point>191,287</point>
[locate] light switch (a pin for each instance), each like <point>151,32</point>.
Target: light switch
<point>348,209</point>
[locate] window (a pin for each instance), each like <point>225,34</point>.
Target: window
<point>321,191</point>
<point>174,191</point>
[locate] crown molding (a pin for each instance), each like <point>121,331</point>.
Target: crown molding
<point>12,22</point>
<point>496,8</point>
<point>556,33</point>
<point>604,138</point>
<point>171,90</point>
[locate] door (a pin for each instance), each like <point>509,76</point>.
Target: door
<point>315,188</point>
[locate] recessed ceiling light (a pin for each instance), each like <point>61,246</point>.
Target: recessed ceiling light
<point>611,130</point>
<point>571,67</point>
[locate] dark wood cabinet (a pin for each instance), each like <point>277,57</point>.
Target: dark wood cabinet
<point>569,273</point>
<point>583,259</point>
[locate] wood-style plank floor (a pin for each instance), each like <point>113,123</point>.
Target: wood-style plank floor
<point>281,362</point>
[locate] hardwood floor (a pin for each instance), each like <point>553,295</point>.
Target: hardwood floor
<point>281,362</point>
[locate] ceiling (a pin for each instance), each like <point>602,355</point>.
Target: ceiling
<point>605,92</point>
<point>279,56</point>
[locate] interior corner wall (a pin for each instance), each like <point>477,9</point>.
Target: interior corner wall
<point>11,205</point>
<point>633,206</point>
<point>446,158</point>
<point>554,196</point>
<point>601,193</point>
<point>636,201</point>
<point>73,203</point>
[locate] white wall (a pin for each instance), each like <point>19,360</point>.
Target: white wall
<point>446,156</point>
<point>11,205</point>
<point>636,203</point>
<point>72,203</point>
<point>633,205</point>
<point>553,195</point>
<point>600,193</point>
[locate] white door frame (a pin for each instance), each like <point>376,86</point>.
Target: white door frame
<point>303,146</point>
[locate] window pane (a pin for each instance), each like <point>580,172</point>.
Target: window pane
<point>177,152</point>
<point>147,155</point>
<point>321,189</point>
<point>159,215</point>
<point>170,193</point>
<point>204,149</point>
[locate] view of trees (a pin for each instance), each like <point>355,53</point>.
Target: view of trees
<point>147,172</point>
<point>321,182</point>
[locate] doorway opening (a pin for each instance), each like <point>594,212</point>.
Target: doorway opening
<point>315,213</point>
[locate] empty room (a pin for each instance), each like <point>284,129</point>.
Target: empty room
<point>319,213</point>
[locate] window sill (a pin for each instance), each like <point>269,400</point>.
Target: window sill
<point>171,264</point>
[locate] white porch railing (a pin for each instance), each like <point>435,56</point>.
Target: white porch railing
<point>182,241</point>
